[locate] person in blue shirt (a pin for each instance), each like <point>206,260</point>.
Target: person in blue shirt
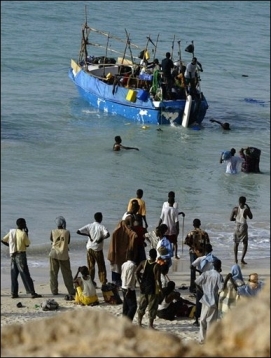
<point>164,252</point>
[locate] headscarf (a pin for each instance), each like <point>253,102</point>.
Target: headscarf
<point>61,222</point>
<point>209,258</point>
<point>236,272</point>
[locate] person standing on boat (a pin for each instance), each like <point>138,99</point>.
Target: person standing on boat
<point>191,74</point>
<point>179,82</point>
<point>118,146</point>
<point>240,214</point>
<point>154,66</point>
<point>167,65</point>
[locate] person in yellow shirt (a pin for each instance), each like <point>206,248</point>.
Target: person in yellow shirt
<point>17,240</point>
<point>142,206</point>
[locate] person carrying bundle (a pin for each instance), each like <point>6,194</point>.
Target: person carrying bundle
<point>251,158</point>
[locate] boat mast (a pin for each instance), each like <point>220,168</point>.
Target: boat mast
<point>146,48</point>
<point>155,47</point>
<point>172,47</point>
<point>124,53</point>
<point>179,53</point>
<point>83,52</point>
<point>129,45</point>
<point>108,36</point>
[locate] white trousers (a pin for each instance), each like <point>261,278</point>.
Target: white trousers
<point>207,317</point>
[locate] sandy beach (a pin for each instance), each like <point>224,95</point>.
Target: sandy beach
<point>31,310</point>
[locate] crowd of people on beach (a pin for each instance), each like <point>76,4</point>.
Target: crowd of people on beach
<point>130,265</point>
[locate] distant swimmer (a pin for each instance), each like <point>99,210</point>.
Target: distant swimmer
<point>118,146</point>
<point>225,125</point>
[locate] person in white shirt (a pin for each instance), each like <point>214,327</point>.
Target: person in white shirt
<point>85,290</point>
<point>233,164</point>
<point>96,233</point>
<point>190,74</point>
<point>169,217</point>
<point>128,279</point>
<point>240,214</point>
<point>166,205</point>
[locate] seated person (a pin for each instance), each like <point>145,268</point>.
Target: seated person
<point>85,289</point>
<point>172,305</point>
<point>228,296</point>
<point>252,288</point>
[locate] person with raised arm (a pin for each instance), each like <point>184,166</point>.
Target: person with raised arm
<point>225,126</point>
<point>118,146</point>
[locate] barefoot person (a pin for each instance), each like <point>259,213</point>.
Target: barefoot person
<point>96,233</point>
<point>150,283</point>
<point>210,282</point>
<point>169,216</point>
<point>118,146</point>
<point>59,257</point>
<point>239,215</point>
<point>195,239</point>
<point>17,240</point>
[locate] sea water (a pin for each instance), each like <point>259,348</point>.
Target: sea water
<point>56,150</point>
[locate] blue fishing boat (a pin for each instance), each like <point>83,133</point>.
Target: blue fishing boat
<point>134,87</point>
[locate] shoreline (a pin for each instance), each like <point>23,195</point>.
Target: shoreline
<point>182,327</point>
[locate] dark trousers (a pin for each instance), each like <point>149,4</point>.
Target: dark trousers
<point>199,295</point>
<point>171,312</point>
<point>192,286</point>
<point>96,257</point>
<point>65,267</point>
<point>129,304</point>
<point>168,84</point>
<point>116,278</point>
<point>19,266</point>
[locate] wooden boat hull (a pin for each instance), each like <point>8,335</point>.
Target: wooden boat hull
<point>115,99</point>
